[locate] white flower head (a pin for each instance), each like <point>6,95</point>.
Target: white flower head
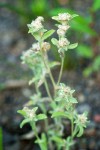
<point>63,42</point>
<point>82,118</point>
<point>64,16</point>
<point>64,27</point>
<point>27,54</point>
<point>36,47</point>
<point>30,113</point>
<point>61,32</point>
<point>36,24</point>
<point>40,18</point>
<point>45,46</point>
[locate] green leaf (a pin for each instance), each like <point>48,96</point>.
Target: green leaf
<point>36,36</point>
<point>73,100</point>
<point>1,139</point>
<point>54,41</point>
<point>41,116</point>
<point>42,142</point>
<point>48,34</point>
<point>22,112</point>
<point>74,15</point>
<point>59,114</point>
<point>72,46</point>
<point>87,71</point>
<point>24,122</point>
<point>84,51</point>
<point>81,130</point>
<point>96,5</point>
<point>96,64</point>
<point>58,140</point>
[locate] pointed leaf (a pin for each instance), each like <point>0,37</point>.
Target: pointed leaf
<point>48,34</point>
<point>41,116</point>
<point>73,100</point>
<point>22,112</point>
<point>24,122</point>
<point>54,41</point>
<point>59,114</point>
<point>81,130</point>
<point>72,46</point>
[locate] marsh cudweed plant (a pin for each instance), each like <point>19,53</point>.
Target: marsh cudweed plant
<point>61,104</point>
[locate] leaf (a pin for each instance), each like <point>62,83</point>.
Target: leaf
<point>22,112</point>
<point>48,34</point>
<point>1,139</point>
<point>81,130</point>
<point>36,36</point>
<point>96,5</point>
<point>84,51</point>
<point>72,46</point>
<point>74,15</point>
<point>24,122</point>
<point>41,116</point>
<point>73,100</point>
<point>58,140</point>
<point>87,71</point>
<point>54,41</point>
<point>59,114</point>
<point>42,142</point>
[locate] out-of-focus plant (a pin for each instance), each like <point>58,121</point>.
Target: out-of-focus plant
<point>1,139</point>
<point>60,102</point>
<point>27,10</point>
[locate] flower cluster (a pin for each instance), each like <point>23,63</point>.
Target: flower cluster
<point>45,46</point>
<point>64,93</point>
<point>82,118</point>
<point>62,17</point>
<point>36,25</point>
<point>63,44</point>
<point>30,113</point>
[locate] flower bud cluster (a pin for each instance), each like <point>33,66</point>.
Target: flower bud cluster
<point>63,42</point>
<point>36,24</point>
<point>82,118</point>
<point>45,46</point>
<point>30,113</point>
<point>64,93</point>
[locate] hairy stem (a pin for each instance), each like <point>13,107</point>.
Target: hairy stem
<point>61,70</point>
<point>47,89</point>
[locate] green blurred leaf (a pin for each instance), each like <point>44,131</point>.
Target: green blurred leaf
<point>24,122</point>
<point>96,5</point>
<point>22,112</point>
<point>72,46</point>
<point>81,130</point>
<point>39,7</point>
<point>87,71</point>
<point>96,64</point>
<point>41,116</point>
<point>1,139</point>
<point>54,41</point>
<point>48,34</point>
<point>84,51</point>
<point>73,100</point>
<point>59,114</point>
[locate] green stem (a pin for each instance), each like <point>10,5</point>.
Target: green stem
<point>34,129</point>
<point>61,70</point>
<point>72,128</point>
<point>36,87</point>
<point>47,89</point>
